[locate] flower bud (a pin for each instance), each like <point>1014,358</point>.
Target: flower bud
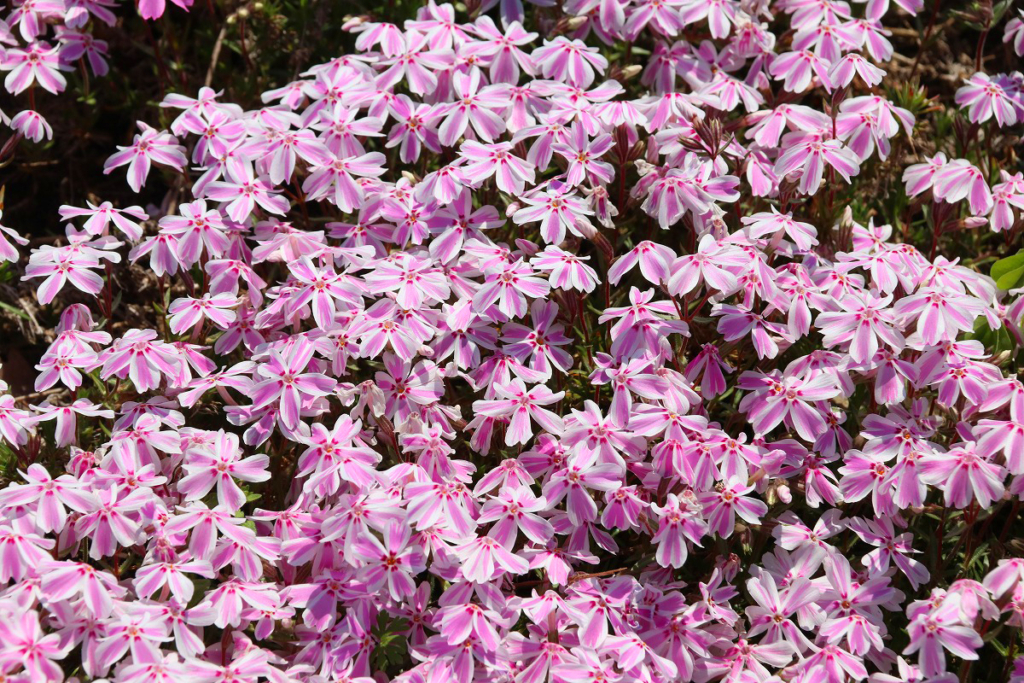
<point>785,495</point>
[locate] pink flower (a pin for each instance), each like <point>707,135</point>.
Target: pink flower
<point>65,432</point>
<point>723,505</point>
<point>187,313</point>
<point>323,289</point>
<point>557,213</point>
<point>37,63</point>
<point>569,61</point>
<point>511,173</point>
<point>484,559</point>
<point>469,622</point>
<point>690,188</point>
<point>8,252</point>
<point>502,50</point>
<point>223,605</point>
<point>796,69</point>
<point>393,562</point>
<point>383,326</point>
<point>284,381</point>
<point>509,286</point>
<point>861,323</point>
<point>149,147</point>
<point>772,614</point>
<point>920,177</point>
<point>959,179</point>
<point>473,106</point>
<point>1008,574</point>
<point>519,405</point>
<point>220,465</point>
<point>15,423</point>
<point>1014,33</point>
<point>809,155</point>
<point>335,457</point>
<point>843,71</point>
<point>737,322</point>
<point>964,475</point>
<point>941,315</point>
<point>154,9</point>
<point>32,126</point>
<point>100,217</point>
<point>139,356</point>
<point>60,265</point>
<point>513,510</point>
<point>23,644</point>
<point>414,281</point>
<point>407,387</point>
<point>583,156</point>
<point>242,194</point>
<point>709,265</point>
<point>803,235</point>
<point>654,260</point>
<point>933,631</point>
<point>415,64</point>
<point>97,589</point>
<point>986,97</point>
<point>137,630</point>
<point>539,346</point>
<point>679,521</point>
<point>581,472</point>
<point>890,547</point>
<point>113,522</point>
<point>153,577</point>
<point>995,436</point>
<point>23,553</point>
<point>51,497</point>
<point>791,399</point>
<point>1007,196</point>
<point>338,173</point>
<point>710,362</point>
<point>414,129</point>
<point>632,377</point>
<point>852,606</point>
<point>566,270</point>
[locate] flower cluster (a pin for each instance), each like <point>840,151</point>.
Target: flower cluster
<point>42,40</point>
<point>488,356</point>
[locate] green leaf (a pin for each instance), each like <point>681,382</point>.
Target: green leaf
<point>999,10</point>
<point>16,311</point>
<point>1008,272</point>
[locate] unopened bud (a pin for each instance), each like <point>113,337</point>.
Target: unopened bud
<point>527,247</point>
<point>575,22</point>
<point>585,228</point>
<point>604,246</point>
<point>630,71</point>
<point>784,494</point>
<point>643,167</point>
<point>350,22</point>
<point>7,151</point>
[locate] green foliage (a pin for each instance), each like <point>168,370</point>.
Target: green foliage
<point>392,650</point>
<point>1009,272</point>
